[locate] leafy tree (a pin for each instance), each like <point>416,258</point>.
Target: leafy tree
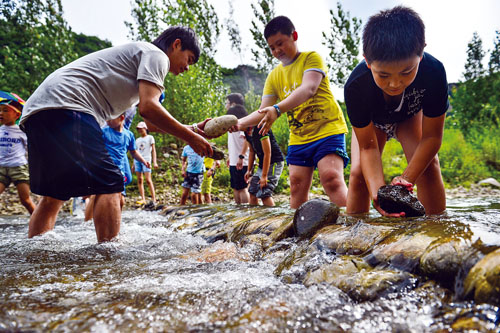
<point>343,42</point>
<point>199,92</point>
<point>84,44</point>
<point>475,54</point>
<point>35,41</point>
<point>233,31</point>
<point>494,63</point>
<point>262,55</point>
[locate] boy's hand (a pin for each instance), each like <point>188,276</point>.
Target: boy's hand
<point>247,176</point>
<point>239,164</point>
<point>401,180</point>
<point>268,120</point>
<point>148,165</point>
<point>210,172</point>
<point>200,129</point>
<point>263,181</point>
<point>200,146</point>
<point>383,212</point>
<point>235,128</point>
<point>155,165</point>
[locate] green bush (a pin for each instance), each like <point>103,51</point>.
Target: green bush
<point>460,162</point>
<point>393,160</point>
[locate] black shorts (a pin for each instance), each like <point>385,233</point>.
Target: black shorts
<point>67,156</point>
<point>238,177</point>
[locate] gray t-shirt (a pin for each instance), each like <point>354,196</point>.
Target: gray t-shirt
<point>104,83</point>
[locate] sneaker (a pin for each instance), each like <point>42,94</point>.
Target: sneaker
<point>140,202</point>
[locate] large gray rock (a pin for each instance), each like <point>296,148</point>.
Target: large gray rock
<point>313,215</point>
<point>220,125</point>
<point>396,199</point>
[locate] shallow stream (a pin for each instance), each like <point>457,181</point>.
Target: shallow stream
<point>161,275</point>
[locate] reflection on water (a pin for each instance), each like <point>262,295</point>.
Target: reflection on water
<point>158,277</point>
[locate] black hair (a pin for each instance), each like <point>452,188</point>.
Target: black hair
<point>279,24</point>
<point>236,98</point>
<point>238,110</point>
<point>189,40</point>
<point>393,34</point>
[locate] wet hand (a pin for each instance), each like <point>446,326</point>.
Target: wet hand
<point>383,212</point>
<point>401,180</point>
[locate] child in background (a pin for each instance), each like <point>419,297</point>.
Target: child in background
<point>118,141</point>
<point>208,178</point>
<point>263,183</point>
<point>146,147</point>
<point>13,143</point>
<point>238,150</point>
<point>192,171</point>
<point>399,92</point>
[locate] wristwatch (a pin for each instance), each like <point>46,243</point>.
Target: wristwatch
<point>241,156</point>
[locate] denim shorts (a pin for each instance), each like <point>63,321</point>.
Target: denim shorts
<point>67,156</point>
<point>309,154</point>
<point>139,167</point>
<point>193,182</point>
<point>273,176</point>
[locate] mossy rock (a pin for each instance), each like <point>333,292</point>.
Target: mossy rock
<point>483,281</point>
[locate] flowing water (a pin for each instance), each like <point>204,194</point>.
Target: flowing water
<point>160,277</point>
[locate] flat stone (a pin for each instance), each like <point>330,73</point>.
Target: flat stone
<point>220,125</point>
<point>396,199</point>
<point>313,215</point>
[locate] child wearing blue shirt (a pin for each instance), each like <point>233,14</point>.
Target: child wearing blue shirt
<point>192,171</point>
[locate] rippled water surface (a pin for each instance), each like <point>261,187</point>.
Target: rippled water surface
<point>158,277</point>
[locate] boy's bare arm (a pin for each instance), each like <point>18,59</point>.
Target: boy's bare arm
<point>428,147</point>
<point>251,160</point>
<point>155,114</point>
<point>371,163</point>
<point>266,148</point>
<point>310,83</point>
<point>255,117</point>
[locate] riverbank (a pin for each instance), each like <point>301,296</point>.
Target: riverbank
<point>167,196</point>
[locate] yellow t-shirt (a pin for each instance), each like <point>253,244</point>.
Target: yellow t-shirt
<point>318,117</point>
<point>209,162</point>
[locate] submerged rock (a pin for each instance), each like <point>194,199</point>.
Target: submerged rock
<point>313,215</point>
<point>396,199</point>
<point>220,125</point>
<point>483,281</point>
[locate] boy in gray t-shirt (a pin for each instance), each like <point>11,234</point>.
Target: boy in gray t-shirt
<point>67,157</point>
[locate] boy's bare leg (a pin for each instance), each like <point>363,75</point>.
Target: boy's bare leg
<point>268,201</point>
<point>44,216</point>
<point>430,187</point>
<point>23,189</point>
<point>300,183</point>
<point>140,184</point>
<point>331,175</point>
<point>253,200</point>
<point>358,197</point>
<point>207,198</point>
<point>147,175</point>
<point>107,216</point>
<point>184,195</point>
<point>241,196</point>
<point>89,208</point>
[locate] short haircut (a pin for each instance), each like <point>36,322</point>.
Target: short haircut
<point>279,24</point>
<point>236,98</point>
<point>394,34</point>
<point>189,40</point>
<point>238,110</point>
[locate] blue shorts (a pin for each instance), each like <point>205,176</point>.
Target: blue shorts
<point>139,167</point>
<point>193,182</point>
<point>67,156</point>
<point>309,154</point>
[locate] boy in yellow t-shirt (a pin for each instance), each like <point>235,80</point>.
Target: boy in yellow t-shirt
<point>208,178</point>
<point>317,125</point>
